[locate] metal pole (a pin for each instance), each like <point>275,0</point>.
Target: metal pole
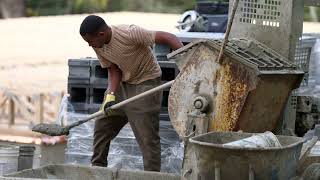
<point>226,36</point>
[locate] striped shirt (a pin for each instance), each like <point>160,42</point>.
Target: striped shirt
<point>130,48</point>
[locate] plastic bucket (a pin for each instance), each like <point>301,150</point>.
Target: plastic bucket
<point>263,140</point>
<point>8,159</point>
<point>26,154</point>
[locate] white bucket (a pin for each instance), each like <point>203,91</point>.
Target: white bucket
<point>263,140</point>
<point>8,159</point>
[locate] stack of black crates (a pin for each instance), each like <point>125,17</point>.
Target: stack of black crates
<point>87,82</point>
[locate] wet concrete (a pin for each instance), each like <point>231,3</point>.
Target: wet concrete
<point>50,129</point>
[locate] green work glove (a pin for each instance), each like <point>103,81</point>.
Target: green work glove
<point>109,101</point>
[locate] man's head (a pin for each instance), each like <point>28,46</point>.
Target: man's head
<point>93,29</point>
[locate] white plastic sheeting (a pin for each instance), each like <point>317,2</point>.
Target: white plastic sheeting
<point>124,151</point>
<point>313,87</point>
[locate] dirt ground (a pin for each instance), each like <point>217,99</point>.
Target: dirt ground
<point>34,51</point>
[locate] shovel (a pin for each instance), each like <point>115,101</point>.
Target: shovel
<point>57,130</point>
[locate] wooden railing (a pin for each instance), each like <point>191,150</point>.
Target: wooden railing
<point>26,109</point>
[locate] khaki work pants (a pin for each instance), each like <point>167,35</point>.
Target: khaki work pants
<point>143,116</point>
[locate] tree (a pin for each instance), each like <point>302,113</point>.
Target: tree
<point>12,8</point>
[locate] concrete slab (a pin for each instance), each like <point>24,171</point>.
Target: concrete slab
<point>73,172</point>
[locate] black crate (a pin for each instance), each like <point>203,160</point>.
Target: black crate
<point>161,58</point>
<point>208,7</point>
<point>164,116</point>
<point>79,98</point>
<point>78,93</point>
<point>217,23</point>
<point>164,103</point>
<point>96,97</point>
<point>99,75</point>
<point>79,71</point>
<point>161,50</point>
<point>93,108</point>
<point>97,94</point>
<point>82,108</point>
<point>79,81</point>
<point>169,70</point>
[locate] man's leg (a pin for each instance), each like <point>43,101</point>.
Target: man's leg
<point>105,130</point>
<point>143,116</point>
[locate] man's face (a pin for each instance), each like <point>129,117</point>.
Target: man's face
<point>96,41</point>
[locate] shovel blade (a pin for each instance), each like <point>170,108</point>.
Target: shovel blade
<point>50,129</point>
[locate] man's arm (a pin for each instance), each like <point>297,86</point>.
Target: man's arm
<point>169,39</point>
<point>114,78</point>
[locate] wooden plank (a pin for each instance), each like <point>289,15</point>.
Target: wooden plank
<point>29,106</point>
<point>3,102</point>
<point>4,110</point>
<point>40,108</point>
<point>58,105</point>
<point>11,112</point>
<point>23,109</point>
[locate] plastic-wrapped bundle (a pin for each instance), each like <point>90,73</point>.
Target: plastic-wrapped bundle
<point>80,139</point>
<point>124,151</point>
<point>313,87</point>
<point>314,70</point>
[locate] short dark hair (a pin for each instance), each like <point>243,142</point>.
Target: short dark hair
<point>91,25</point>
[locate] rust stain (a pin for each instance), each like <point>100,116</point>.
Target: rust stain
<point>233,89</point>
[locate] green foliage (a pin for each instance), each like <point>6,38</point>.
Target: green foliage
<point>56,7</point>
<point>89,6</point>
<point>307,16</point>
<point>47,7</point>
<point>164,6</point>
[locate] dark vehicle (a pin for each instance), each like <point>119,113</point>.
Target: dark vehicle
<point>208,16</point>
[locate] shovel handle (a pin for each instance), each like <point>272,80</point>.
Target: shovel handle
<point>122,103</point>
<point>88,118</point>
<point>144,94</point>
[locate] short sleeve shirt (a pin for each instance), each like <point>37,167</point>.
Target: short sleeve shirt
<point>130,48</point>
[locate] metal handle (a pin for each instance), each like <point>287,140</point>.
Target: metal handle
<point>234,9</point>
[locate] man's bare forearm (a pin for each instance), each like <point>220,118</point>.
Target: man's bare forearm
<point>114,78</point>
<point>169,39</point>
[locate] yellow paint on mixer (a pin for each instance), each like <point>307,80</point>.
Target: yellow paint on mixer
<point>232,91</point>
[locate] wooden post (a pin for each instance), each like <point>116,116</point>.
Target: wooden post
<point>57,104</point>
<point>40,108</point>
<point>3,107</point>
<point>11,112</point>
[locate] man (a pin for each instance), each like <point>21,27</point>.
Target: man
<point>126,51</point>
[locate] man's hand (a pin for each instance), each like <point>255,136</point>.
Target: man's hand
<point>109,101</point>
